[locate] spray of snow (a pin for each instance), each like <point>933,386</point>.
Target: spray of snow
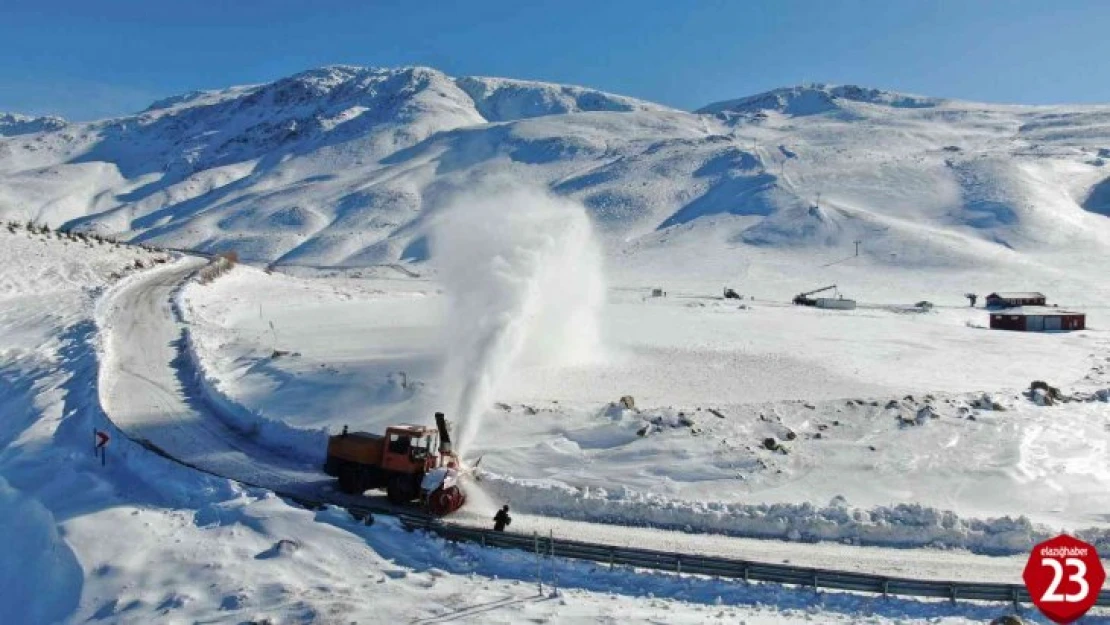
<point>523,280</point>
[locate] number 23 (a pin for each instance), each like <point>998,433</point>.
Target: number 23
<point>1050,595</point>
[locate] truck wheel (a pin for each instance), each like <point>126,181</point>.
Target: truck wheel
<point>400,489</point>
<point>348,481</point>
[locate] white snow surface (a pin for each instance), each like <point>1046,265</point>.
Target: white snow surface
<point>144,540</point>
<point>885,412</point>
<point>880,409</point>
<point>162,407</point>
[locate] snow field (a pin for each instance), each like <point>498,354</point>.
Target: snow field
<point>346,165</point>
<point>144,540</point>
<point>992,482</point>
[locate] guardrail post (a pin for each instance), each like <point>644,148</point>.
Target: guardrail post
<point>539,572</point>
<point>886,588</point>
<point>952,593</point>
<point>551,554</point>
<point>745,571</point>
<point>678,563</point>
<point>1014,598</point>
<point>612,556</point>
<point>816,580</point>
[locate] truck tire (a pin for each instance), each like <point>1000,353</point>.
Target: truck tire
<point>401,489</point>
<point>348,481</point>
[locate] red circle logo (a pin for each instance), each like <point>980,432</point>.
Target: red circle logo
<point>1064,577</point>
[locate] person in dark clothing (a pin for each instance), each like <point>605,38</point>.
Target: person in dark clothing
<point>501,519</point>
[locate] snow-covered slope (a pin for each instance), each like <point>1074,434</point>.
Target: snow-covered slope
<point>877,406</point>
<point>815,99</point>
<point>502,99</point>
<point>343,165</point>
<point>142,540</point>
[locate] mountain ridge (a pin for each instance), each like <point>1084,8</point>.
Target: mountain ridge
<point>343,165</point>
<point>12,124</point>
<point>811,99</point>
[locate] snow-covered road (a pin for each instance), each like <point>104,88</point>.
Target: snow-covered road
<point>147,387</point>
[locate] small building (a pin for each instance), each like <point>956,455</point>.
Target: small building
<point>1013,300</point>
<point>835,303</point>
<point>1038,319</point>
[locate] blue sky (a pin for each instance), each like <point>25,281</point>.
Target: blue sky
<point>86,60</point>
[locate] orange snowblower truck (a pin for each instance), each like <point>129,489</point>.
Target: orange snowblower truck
<point>396,461</point>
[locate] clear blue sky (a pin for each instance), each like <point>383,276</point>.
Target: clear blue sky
<point>88,59</point>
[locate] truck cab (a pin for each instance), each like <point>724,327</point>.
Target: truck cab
<point>410,449</point>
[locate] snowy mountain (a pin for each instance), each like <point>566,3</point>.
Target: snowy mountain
<point>892,425</point>
<point>12,124</point>
<point>815,99</point>
<point>343,165</point>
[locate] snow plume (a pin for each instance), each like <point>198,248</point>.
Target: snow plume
<point>522,275</point>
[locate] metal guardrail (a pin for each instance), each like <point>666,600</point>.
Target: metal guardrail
<point>676,562</point>
<point>728,567</point>
<point>613,555</point>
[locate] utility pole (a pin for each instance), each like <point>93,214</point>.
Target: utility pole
<point>857,246</point>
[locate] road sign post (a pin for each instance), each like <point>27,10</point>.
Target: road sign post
<point>1064,576</point>
<point>100,445</point>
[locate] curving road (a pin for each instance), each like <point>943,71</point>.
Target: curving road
<point>147,388</point>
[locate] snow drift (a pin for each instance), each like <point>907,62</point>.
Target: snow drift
<point>901,525</point>
<point>307,444</point>
<point>36,562</point>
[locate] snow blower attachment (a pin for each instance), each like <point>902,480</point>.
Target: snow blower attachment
<point>411,462</point>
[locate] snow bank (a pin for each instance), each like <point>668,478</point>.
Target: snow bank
<point>901,526</point>
<point>626,589</point>
<point>309,444</point>
<point>34,562</point>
